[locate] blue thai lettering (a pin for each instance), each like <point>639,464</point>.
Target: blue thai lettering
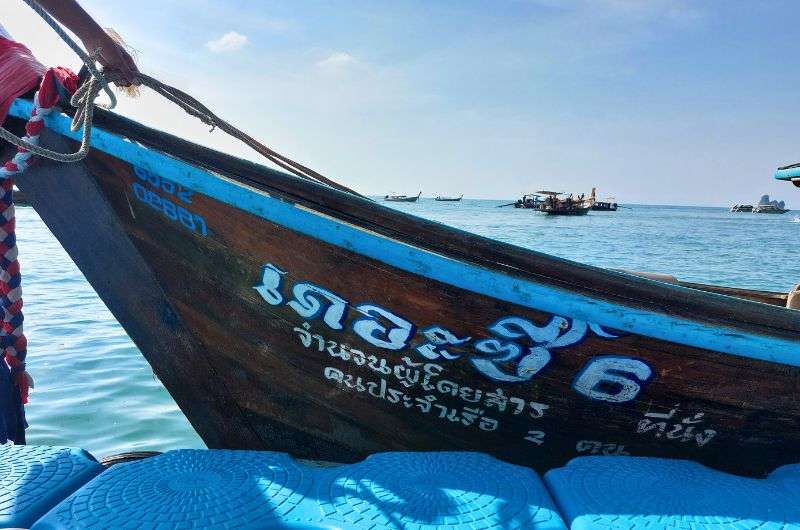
<point>394,337</point>
<point>271,280</point>
<point>438,338</point>
<point>496,352</point>
<point>311,300</point>
<point>517,327</point>
<point>536,358</point>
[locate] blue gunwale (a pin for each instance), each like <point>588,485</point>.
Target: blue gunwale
<point>432,265</point>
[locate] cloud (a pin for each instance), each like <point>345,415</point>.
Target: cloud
<point>337,61</point>
<point>230,42</point>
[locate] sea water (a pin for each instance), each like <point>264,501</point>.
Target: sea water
<point>95,390</point>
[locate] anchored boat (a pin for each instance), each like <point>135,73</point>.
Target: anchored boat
<point>529,201</point>
<point>767,206</point>
<point>283,314</point>
<point>557,203</point>
<point>443,198</point>
<point>402,198</point>
<point>606,205</point>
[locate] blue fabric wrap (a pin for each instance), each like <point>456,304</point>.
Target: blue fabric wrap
<point>12,413</point>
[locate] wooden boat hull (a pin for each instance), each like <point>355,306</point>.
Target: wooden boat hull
<point>401,198</point>
<point>604,207</point>
<point>566,211</point>
<point>283,315</point>
<point>772,211</point>
<point>448,199</point>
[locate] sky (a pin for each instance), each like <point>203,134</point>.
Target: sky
<point>651,101</point>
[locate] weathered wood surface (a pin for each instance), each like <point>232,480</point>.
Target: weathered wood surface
<point>95,239</point>
<point>252,369</point>
<point>764,297</point>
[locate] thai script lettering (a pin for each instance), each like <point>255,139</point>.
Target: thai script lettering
<point>426,376</point>
<point>684,428</point>
<point>593,447</point>
<point>515,351</point>
<point>535,437</point>
<point>380,389</point>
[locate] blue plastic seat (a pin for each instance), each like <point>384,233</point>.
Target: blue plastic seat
<point>634,493</point>
<point>436,491</point>
<point>187,489</point>
<point>33,479</point>
<point>262,490</point>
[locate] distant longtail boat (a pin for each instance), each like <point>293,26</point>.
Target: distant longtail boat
<point>402,198</point>
<point>286,315</point>
<point>558,204</point>
<point>607,205</point>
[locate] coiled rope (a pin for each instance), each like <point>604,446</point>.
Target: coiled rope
<point>13,343</point>
<point>84,101</point>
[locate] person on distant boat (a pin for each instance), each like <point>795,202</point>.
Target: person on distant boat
<point>20,73</point>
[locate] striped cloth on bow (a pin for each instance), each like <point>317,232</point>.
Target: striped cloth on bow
<point>19,73</point>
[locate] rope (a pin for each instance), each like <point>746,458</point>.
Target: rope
<point>84,117</point>
<point>84,98</point>
<point>13,343</point>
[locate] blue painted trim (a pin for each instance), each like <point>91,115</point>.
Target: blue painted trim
<point>787,174</point>
<point>435,266</point>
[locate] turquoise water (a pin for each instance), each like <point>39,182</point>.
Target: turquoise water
<point>94,390</point>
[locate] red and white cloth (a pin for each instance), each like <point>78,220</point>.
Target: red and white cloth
<point>20,72</point>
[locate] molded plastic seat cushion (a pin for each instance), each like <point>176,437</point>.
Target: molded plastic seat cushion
<point>187,489</point>
<point>651,493</point>
<point>248,489</point>
<point>432,491</point>
<point>33,479</point>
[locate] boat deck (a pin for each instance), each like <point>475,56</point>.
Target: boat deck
<point>60,488</point>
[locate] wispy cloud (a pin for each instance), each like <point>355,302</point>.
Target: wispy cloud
<point>337,61</point>
<point>230,42</point>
